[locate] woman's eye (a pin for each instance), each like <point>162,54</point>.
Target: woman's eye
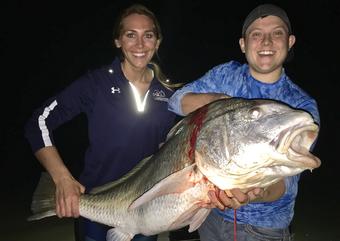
<point>149,35</point>
<point>130,35</point>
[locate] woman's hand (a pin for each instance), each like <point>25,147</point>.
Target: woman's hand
<point>68,192</point>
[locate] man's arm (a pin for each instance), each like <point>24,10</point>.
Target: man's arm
<point>192,101</point>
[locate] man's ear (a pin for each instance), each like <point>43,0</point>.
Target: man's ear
<point>291,41</point>
<point>242,46</point>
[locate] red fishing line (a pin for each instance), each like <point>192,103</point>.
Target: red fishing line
<point>235,224</point>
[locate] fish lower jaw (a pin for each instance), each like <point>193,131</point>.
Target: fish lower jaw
<point>295,157</point>
<point>303,159</point>
<point>293,149</point>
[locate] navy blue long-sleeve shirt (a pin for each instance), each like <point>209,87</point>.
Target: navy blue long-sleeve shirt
<point>119,135</point>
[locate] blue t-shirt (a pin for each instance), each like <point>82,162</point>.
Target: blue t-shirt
<point>119,135</point>
<point>234,79</point>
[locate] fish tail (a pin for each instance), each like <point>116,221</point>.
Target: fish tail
<point>43,200</point>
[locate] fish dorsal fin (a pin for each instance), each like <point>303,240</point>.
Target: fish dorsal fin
<point>186,121</point>
<point>198,219</point>
<point>177,182</point>
<point>110,185</point>
<point>176,128</point>
<point>114,234</point>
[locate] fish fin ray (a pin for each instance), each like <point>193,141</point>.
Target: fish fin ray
<point>41,215</point>
<point>43,201</point>
<point>177,182</point>
<point>198,219</point>
<point>185,218</point>
<point>114,234</point>
<point>175,129</point>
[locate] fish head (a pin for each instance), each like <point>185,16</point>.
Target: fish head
<point>254,143</point>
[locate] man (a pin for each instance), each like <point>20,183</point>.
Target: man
<point>266,41</point>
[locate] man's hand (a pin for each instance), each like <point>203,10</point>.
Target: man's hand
<point>233,198</point>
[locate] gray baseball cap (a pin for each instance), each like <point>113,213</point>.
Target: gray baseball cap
<point>263,11</point>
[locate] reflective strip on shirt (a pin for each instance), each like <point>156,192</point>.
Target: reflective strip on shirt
<point>42,123</point>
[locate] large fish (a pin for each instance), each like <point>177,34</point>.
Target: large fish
<point>230,143</point>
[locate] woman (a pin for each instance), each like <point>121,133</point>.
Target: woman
<point>126,108</point>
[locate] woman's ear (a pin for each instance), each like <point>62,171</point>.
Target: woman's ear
<point>242,46</point>
<point>117,43</point>
<point>158,43</point>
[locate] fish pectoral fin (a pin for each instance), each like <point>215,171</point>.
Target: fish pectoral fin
<point>114,234</point>
<point>177,182</point>
<point>198,219</point>
<point>185,218</point>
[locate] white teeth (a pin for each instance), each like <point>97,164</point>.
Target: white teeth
<point>266,52</point>
<point>139,54</point>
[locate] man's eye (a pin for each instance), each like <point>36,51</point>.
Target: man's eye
<point>278,33</point>
<point>256,35</point>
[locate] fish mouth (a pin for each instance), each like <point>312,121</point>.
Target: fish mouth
<point>295,142</point>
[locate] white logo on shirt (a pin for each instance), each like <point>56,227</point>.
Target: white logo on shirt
<point>159,95</point>
<point>114,90</point>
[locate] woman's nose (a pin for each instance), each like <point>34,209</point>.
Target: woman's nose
<point>140,42</point>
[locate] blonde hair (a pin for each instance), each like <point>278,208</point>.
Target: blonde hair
<point>142,10</point>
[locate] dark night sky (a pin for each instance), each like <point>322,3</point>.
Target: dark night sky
<point>47,44</point>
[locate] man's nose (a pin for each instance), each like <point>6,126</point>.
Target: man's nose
<point>267,39</point>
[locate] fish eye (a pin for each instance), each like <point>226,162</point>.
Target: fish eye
<point>255,113</point>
